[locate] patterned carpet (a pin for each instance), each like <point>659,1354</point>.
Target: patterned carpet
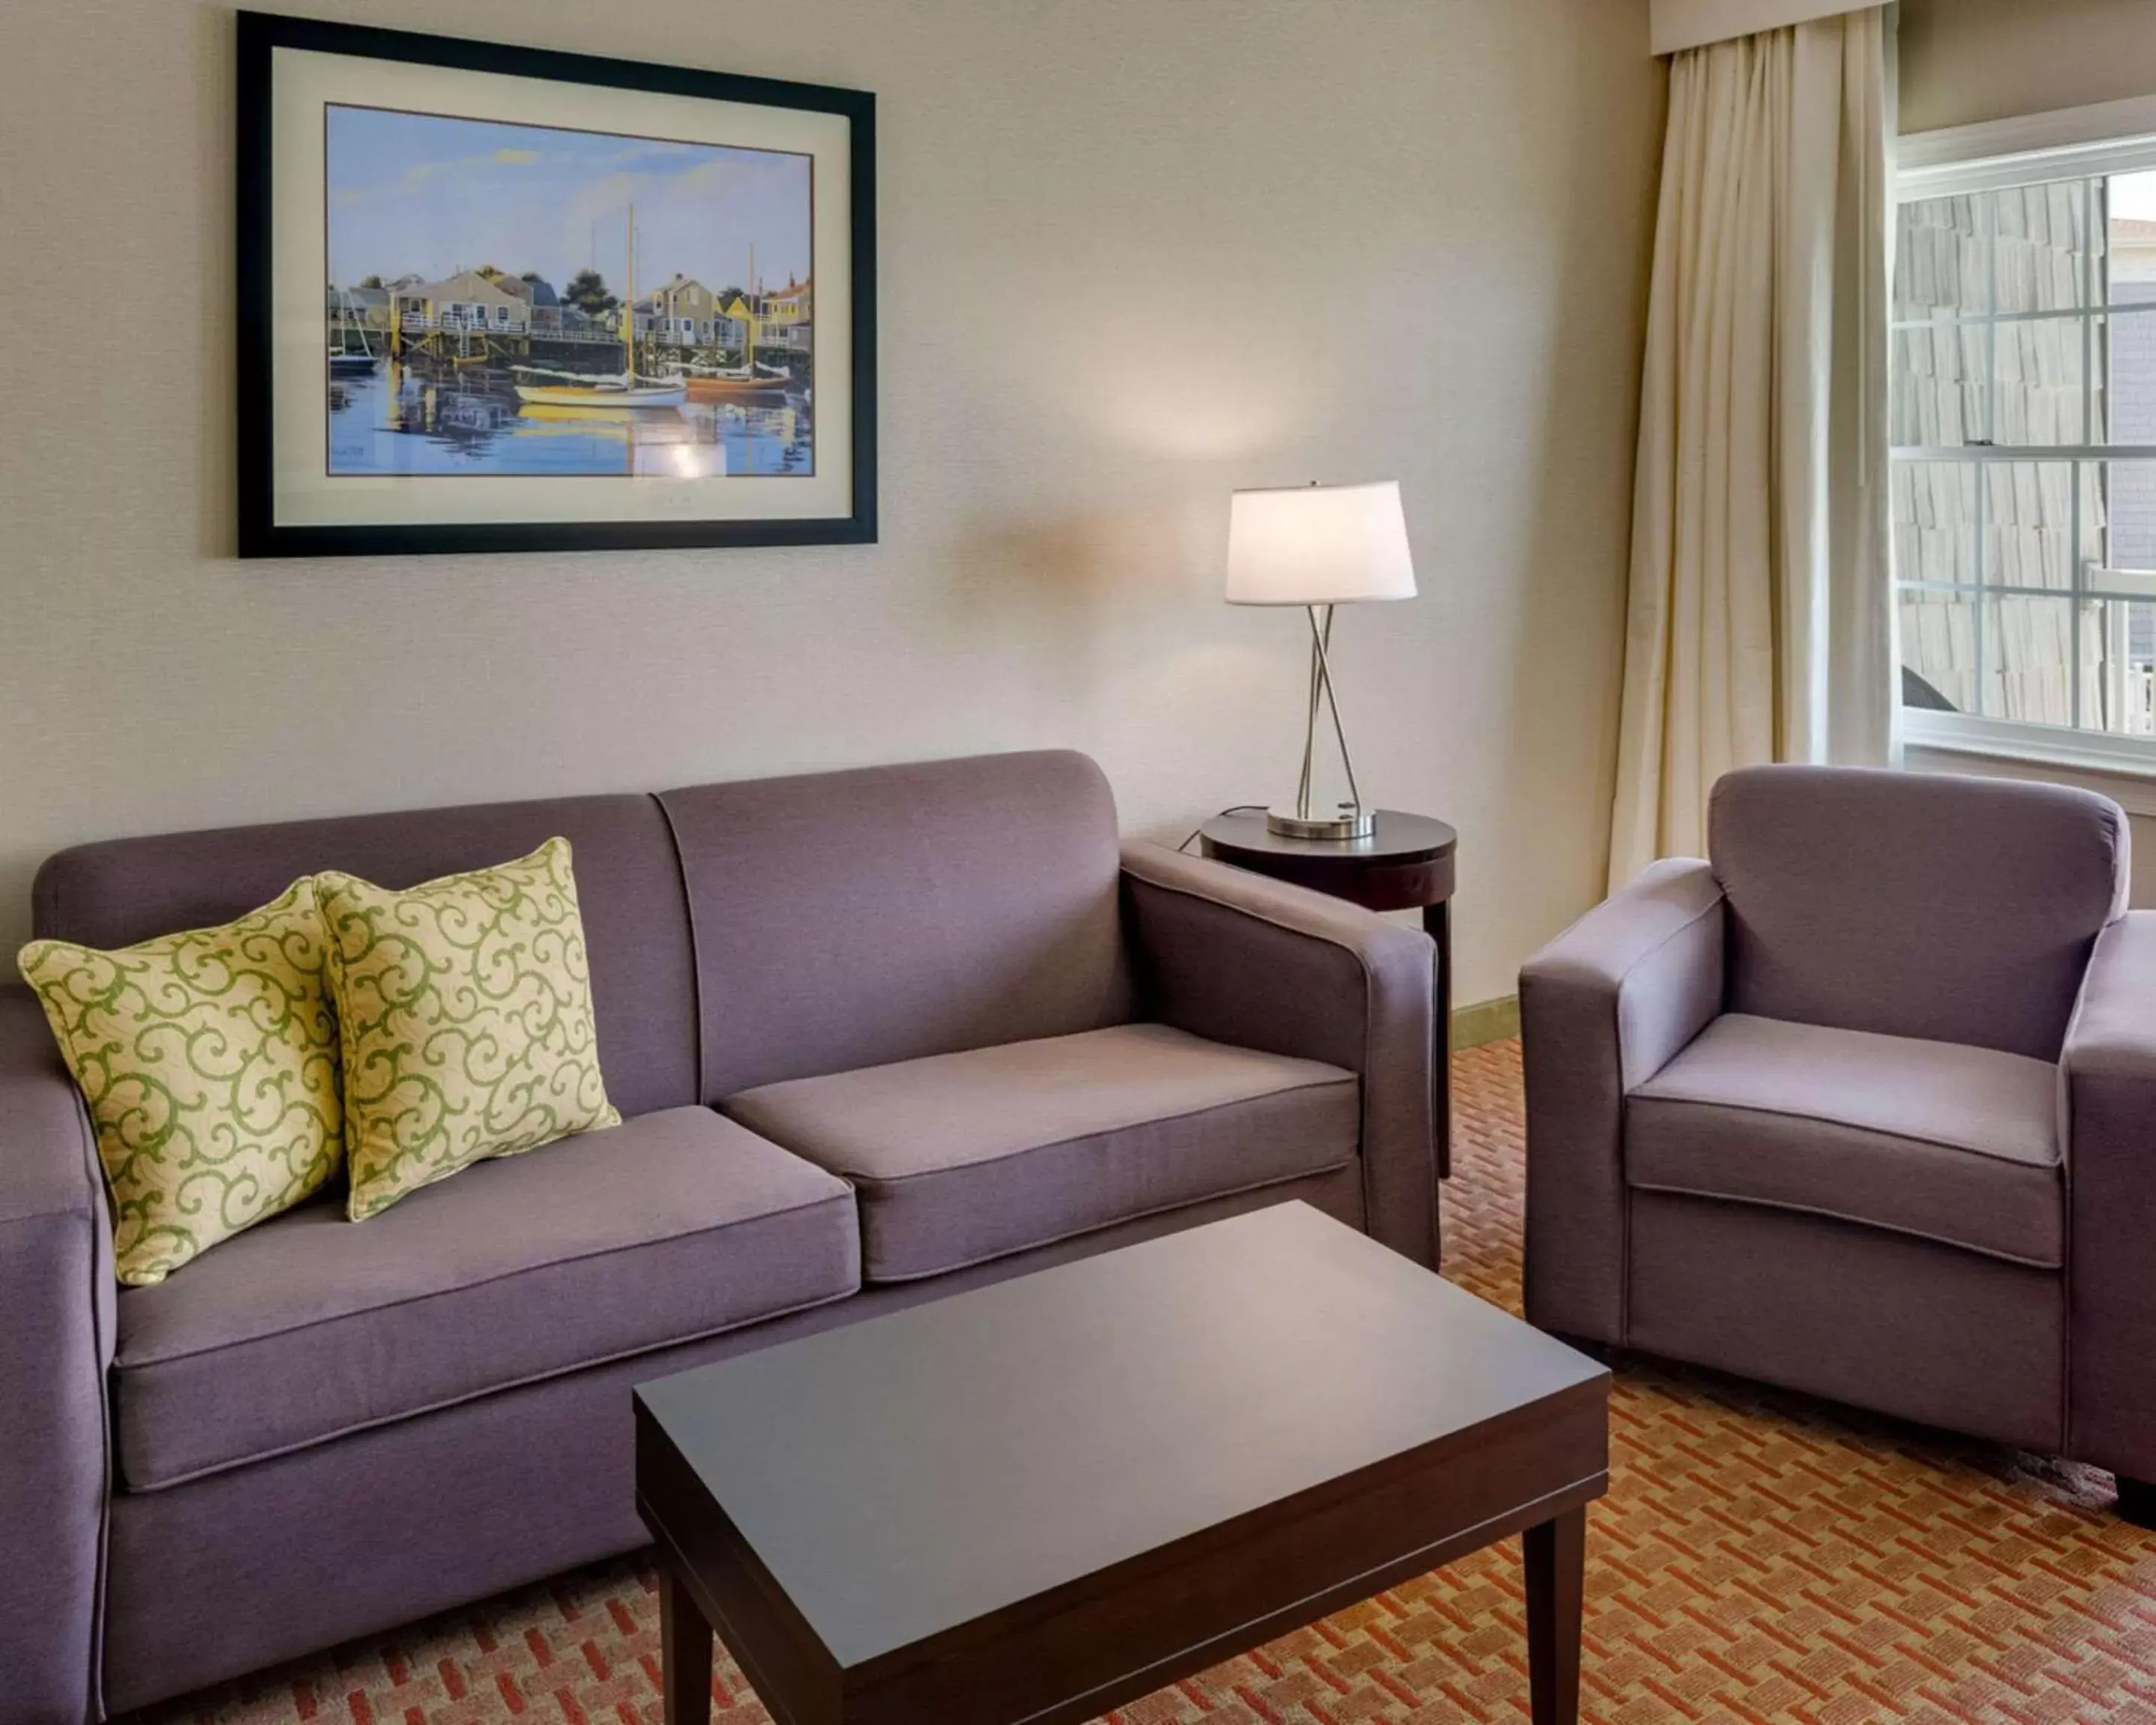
<point>1760,1557</point>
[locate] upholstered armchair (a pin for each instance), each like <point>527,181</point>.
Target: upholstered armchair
<point>1865,1105</point>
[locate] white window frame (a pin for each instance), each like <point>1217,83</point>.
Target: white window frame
<point>2069,143</point>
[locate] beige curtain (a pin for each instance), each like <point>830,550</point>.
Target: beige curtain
<point>1760,625</point>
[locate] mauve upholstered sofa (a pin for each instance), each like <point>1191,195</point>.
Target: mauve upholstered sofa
<point>879,1035</point>
<point>1865,1105</point>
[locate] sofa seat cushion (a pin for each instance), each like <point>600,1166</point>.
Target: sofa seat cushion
<point>961,1157</point>
<point>669,1227</point>
<point>1950,1143</point>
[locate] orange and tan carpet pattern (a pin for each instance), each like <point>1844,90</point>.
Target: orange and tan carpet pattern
<point>1759,1557</point>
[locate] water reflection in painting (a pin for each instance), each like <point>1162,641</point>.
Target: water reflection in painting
<point>393,418</point>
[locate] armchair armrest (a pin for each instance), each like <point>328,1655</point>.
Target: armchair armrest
<point>57,1290</point>
<point>2108,1072</point>
<point>1603,1008</point>
<point>1239,958</point>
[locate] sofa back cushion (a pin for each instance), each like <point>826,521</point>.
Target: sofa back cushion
<point>850,919</point>
<point>1955,909</point>
<point>636,927</point>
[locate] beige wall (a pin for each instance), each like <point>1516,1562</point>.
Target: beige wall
<point>1966,61</point>
<point>1373,238</point>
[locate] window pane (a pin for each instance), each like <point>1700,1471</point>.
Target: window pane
<point>2131,356</point>
<point>1935,391</point>
<point>1938,260</point>
<point>2029,538</point>
<point>2131,202</point>
<point>1939,651</point>
<point>2046,385</point>
<point>1934,515</point>
<point>2027,658</point>
<point>2125,554</point>
<point>2040,257</point>
<point>2119,674</point>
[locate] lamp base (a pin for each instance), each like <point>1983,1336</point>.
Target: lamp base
<point>1283,824</point>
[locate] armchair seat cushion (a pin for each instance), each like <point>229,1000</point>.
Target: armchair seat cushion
<point>670,1227</point>
<point>1949,1142</point>
<point>961,1158</point>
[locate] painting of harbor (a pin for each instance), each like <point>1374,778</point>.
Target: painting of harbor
<point>514,298</point>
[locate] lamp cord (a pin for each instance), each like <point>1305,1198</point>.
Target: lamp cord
<point>1232,809</point>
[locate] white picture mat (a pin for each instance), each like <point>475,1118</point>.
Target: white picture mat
<point>304,83</point>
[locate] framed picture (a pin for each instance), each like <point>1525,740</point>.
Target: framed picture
<point>503,299</point>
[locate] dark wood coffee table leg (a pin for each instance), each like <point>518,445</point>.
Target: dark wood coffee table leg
<point>1556,1552</point>
<point>685,1652</point>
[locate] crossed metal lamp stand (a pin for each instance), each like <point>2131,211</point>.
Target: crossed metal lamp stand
<point>1318,547</point>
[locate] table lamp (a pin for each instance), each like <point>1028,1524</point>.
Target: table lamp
<point>1317,547</point>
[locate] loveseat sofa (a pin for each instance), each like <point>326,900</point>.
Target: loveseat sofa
<point>1864,1103</point>
<point>877,1035</point>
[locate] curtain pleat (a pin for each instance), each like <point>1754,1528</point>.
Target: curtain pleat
<point>1759,624</point>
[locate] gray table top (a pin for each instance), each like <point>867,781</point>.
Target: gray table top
<point>908,1474</point>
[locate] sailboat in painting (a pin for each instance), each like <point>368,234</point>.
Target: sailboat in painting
<point>752,378</point>
<point>715,383</point>
<point>344,362</point>
<point>607,393</point>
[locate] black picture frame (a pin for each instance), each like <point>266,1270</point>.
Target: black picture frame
<point>260,535</point>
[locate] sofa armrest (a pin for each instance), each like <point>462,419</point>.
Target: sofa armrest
<point>56,1290</point>
<point>1603,1008</point>
<point>2108,1072</point>
<point>1239,958</point>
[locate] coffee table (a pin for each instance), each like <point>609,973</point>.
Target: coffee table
<point>1036,1500</point>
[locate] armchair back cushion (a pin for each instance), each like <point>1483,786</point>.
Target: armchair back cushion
<point>1953,909</point>
<point>636,922</point>
<point>854,919</point>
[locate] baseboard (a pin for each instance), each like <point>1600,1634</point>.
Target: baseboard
<point>1486,1021</point>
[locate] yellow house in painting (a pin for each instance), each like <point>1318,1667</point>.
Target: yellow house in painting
<point>787,316</point>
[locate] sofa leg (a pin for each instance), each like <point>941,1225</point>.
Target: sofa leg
<point>1602,1352</point>
<point>2136,1501</point>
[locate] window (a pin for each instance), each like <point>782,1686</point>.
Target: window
<point>2022,407</point>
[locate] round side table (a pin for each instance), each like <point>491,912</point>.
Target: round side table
<point>1405,864</point>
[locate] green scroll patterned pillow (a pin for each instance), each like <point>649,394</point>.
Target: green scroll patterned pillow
<point>465,1012</point>
<point>208,1060</point>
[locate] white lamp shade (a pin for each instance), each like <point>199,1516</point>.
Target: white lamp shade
<point>1318,545</point>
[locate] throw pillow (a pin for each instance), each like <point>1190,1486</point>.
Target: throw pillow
<point>465,1012</point>
<point>208,1060</point>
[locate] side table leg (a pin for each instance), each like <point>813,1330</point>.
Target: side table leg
<point>685,1652</point>
<point>1555,1552</point>
<point>1437,924</point>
